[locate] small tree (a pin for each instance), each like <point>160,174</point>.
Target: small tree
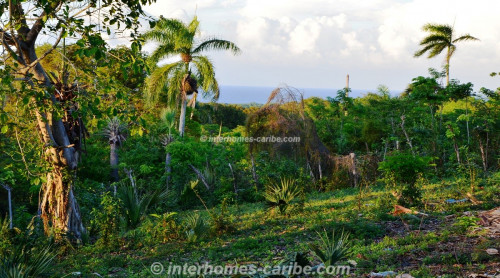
<point>401,171</point>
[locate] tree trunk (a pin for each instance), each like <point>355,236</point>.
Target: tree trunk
<point>9,199</point>
<point>455,145</point>
<point>484,152</point>
<point>406,134</point>
<point>113,158</point>
<point>200,176</point>
<point>447,67</point>
<point>58,206</point>
<point>254,172</point>
<point>168,168</point>
<point>59,209</point>
<point>182,118</point>
<point>234,180</point>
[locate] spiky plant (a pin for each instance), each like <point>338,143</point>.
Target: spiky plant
<point>441,37</point>
<point>182,78</point>
<point>195,226</point>
<point>331,250</point>
<point>281,195</point>
<point>115,133</point>
<point>23,262</point>
<point>135,205</point>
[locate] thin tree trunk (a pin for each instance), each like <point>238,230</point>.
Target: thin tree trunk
<point>354,170</point>
<point>484,151</point>
<point>182,118</point>
<point>9,198</point>
<point>406,134</point>
<point>320,170</point>
<point>200,176</point>
<point>455,145</point>
<point>168,168</point>
<point>113,158</point>
<point>234,180</point>
<point>447,67</point>
<point>467,117</point>
<point>254,172</point>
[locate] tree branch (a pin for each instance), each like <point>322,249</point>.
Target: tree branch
<point>34,63</point>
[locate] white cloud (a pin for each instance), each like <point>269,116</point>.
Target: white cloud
<point>304,35</point>
<point>375,39</point>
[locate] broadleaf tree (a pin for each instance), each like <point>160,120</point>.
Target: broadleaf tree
<point>53,99</point>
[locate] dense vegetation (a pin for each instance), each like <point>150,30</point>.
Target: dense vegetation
<point>142,190</point>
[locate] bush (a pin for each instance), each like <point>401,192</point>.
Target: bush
<point>401,171</point>
<point>107,221</point>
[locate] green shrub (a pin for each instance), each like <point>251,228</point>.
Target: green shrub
<point>401,171</point>
<point>465,224</point>
<point>107,221</point>
<point>220,223</point>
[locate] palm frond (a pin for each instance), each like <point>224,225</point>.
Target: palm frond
<point>193,26</point>
<point>465,37</point>
<point>216,44</point>
<point>436,50</point>
<point>115,131</point>
<point>156,35</point>
<point>435,39</point>
<point>169,25</point>
<point>423,50</point>
<point>442,29</point>
<point>163,51</point>
<point>206,76</point>
<point>168,118</point>
<point>159,81</point>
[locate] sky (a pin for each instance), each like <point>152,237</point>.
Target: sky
<point>316,43</point>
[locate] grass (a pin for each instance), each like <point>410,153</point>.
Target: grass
<point>437,244</point>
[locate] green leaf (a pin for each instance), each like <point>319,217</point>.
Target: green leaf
<point>5,128</point>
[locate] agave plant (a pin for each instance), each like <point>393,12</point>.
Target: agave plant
<point>281,195</point>
<point>23,263</point>
<point>137,205</point>
<point>115,132</point>
<point>331,250</point>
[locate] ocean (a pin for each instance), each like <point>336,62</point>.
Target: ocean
<point>251,94</point>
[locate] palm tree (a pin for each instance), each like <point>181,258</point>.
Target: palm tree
<point>115,132</point>
<point>441,37</point>
<point>181,78</point>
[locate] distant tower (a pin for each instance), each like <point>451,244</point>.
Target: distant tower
<point>347,86</point>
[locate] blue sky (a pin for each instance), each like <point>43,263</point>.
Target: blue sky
<point>315,43</point>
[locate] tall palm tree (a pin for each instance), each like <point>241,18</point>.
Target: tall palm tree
<point>181,78</point>
<point>441,37</point>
